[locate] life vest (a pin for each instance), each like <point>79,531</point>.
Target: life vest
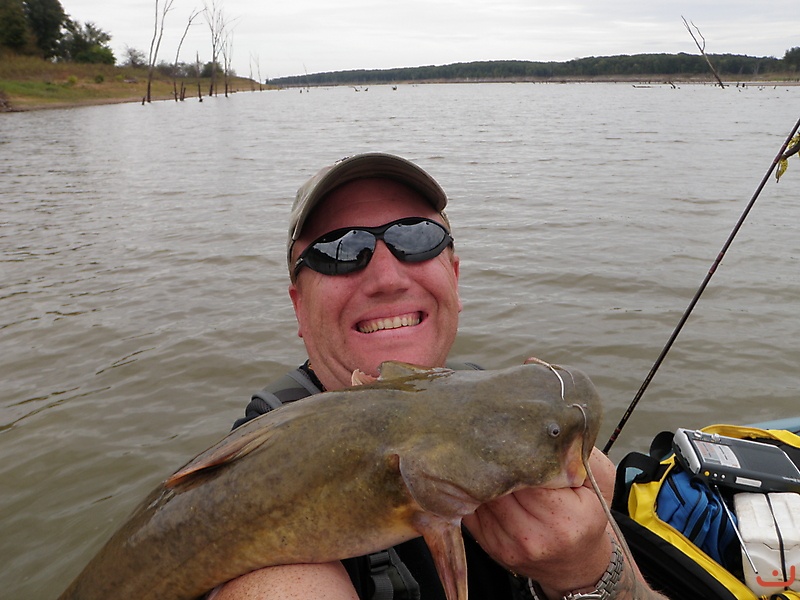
<point>679,534</point>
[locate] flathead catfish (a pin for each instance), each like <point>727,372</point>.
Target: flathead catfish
<point>347,473</point>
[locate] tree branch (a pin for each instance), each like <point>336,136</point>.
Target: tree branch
<point>702,49</point>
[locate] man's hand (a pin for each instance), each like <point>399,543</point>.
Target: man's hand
<point>557,537</point>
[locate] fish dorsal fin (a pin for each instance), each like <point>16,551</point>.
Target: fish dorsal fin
<point>394,369</point>
<point>232,447</point>
<point>360,378</point>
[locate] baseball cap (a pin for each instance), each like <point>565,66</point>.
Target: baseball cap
<point>360,166</point>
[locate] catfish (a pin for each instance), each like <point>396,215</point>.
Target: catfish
<point>351,472</point>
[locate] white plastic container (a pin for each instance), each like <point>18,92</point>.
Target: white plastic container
<point>786,510</point>
<point>760,520</point>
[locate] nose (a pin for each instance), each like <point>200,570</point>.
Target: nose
<point>385,273</point>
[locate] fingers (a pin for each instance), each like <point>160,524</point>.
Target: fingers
<point>535,528</point>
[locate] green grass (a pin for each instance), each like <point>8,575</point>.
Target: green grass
<point>49,91</point>
<point>28,83</point>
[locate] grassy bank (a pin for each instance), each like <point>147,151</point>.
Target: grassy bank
<point>28,83</point>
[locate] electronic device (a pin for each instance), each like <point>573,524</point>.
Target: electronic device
<point>736,463</point>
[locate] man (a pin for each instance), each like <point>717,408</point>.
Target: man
<point>374,277</point>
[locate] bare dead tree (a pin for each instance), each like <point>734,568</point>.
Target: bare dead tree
<point>215,18</point>
<point>702,49</point>
<point>155,43</point>
<point>192,17</point>
<point>197,65</point>
<point>227,57</point>
<point>258,70</point>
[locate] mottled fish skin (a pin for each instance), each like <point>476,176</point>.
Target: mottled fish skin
<point>347,473</point>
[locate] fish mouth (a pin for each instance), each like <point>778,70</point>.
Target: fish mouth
<point>410,319</point>
<point>573,471</point>
<point>574,465</point>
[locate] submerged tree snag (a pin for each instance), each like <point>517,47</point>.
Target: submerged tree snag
<point>702,49</point>
<point>192,17</point>
<point>217,25</point>
<point>155,44</point>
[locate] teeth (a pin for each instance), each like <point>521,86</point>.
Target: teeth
<point>391,323</point>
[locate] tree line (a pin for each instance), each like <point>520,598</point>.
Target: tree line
<point>640,65</point>
<point>42,28</point>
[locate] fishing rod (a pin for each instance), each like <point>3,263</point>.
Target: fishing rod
<point>782,155</point>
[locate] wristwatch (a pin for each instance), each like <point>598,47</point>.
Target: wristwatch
<point>605,588</point>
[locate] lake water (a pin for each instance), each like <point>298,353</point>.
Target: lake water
<point>143,291</point>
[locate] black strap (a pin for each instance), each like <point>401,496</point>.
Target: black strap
<point>301,376</point>
<point>379,564</point>
<point>292,386</point>
<point>262,402</point>
<point>639,468</point>
<point>661,446</point>
<point>391,578</point>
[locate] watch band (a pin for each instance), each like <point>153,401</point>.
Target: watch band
<point>604,589</point>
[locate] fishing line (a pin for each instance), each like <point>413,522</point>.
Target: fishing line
<point>620,541</point>
<point>782,154</point>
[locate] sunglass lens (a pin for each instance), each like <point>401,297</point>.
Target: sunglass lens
<point>344,254</point>
<point>416,242</point>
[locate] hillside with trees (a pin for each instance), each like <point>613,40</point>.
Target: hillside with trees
<point>623,67</point>
<point>49,59</point>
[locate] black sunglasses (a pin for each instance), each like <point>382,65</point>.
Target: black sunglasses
<point>350,249</point>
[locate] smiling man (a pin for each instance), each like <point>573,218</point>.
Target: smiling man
<point>353,321</point>
<point>374,277</point>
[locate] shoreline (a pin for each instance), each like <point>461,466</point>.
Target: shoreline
<point>7,106</point>
<point>30,104</point>
<point>21,103</point>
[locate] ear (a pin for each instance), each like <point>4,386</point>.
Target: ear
<point>297,303</point>
<point>457,272</point>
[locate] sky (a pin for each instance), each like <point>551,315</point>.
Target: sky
<point>278,38</point>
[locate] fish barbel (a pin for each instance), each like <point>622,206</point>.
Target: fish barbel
<point>351,472</point>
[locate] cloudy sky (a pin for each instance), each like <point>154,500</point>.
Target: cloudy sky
<point>290,37</point>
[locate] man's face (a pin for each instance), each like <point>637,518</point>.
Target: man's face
<point>388,311</point>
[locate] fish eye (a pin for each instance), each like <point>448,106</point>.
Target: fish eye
<point>553,430</point>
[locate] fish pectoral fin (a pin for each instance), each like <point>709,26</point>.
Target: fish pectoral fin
<point>444,540</point>
<point>234,446</point>
<point>435,494</point>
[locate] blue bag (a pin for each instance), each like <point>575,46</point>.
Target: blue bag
<point>692,508</point>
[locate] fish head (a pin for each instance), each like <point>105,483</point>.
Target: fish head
<point>531,425</point>
<point>542,427</point>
